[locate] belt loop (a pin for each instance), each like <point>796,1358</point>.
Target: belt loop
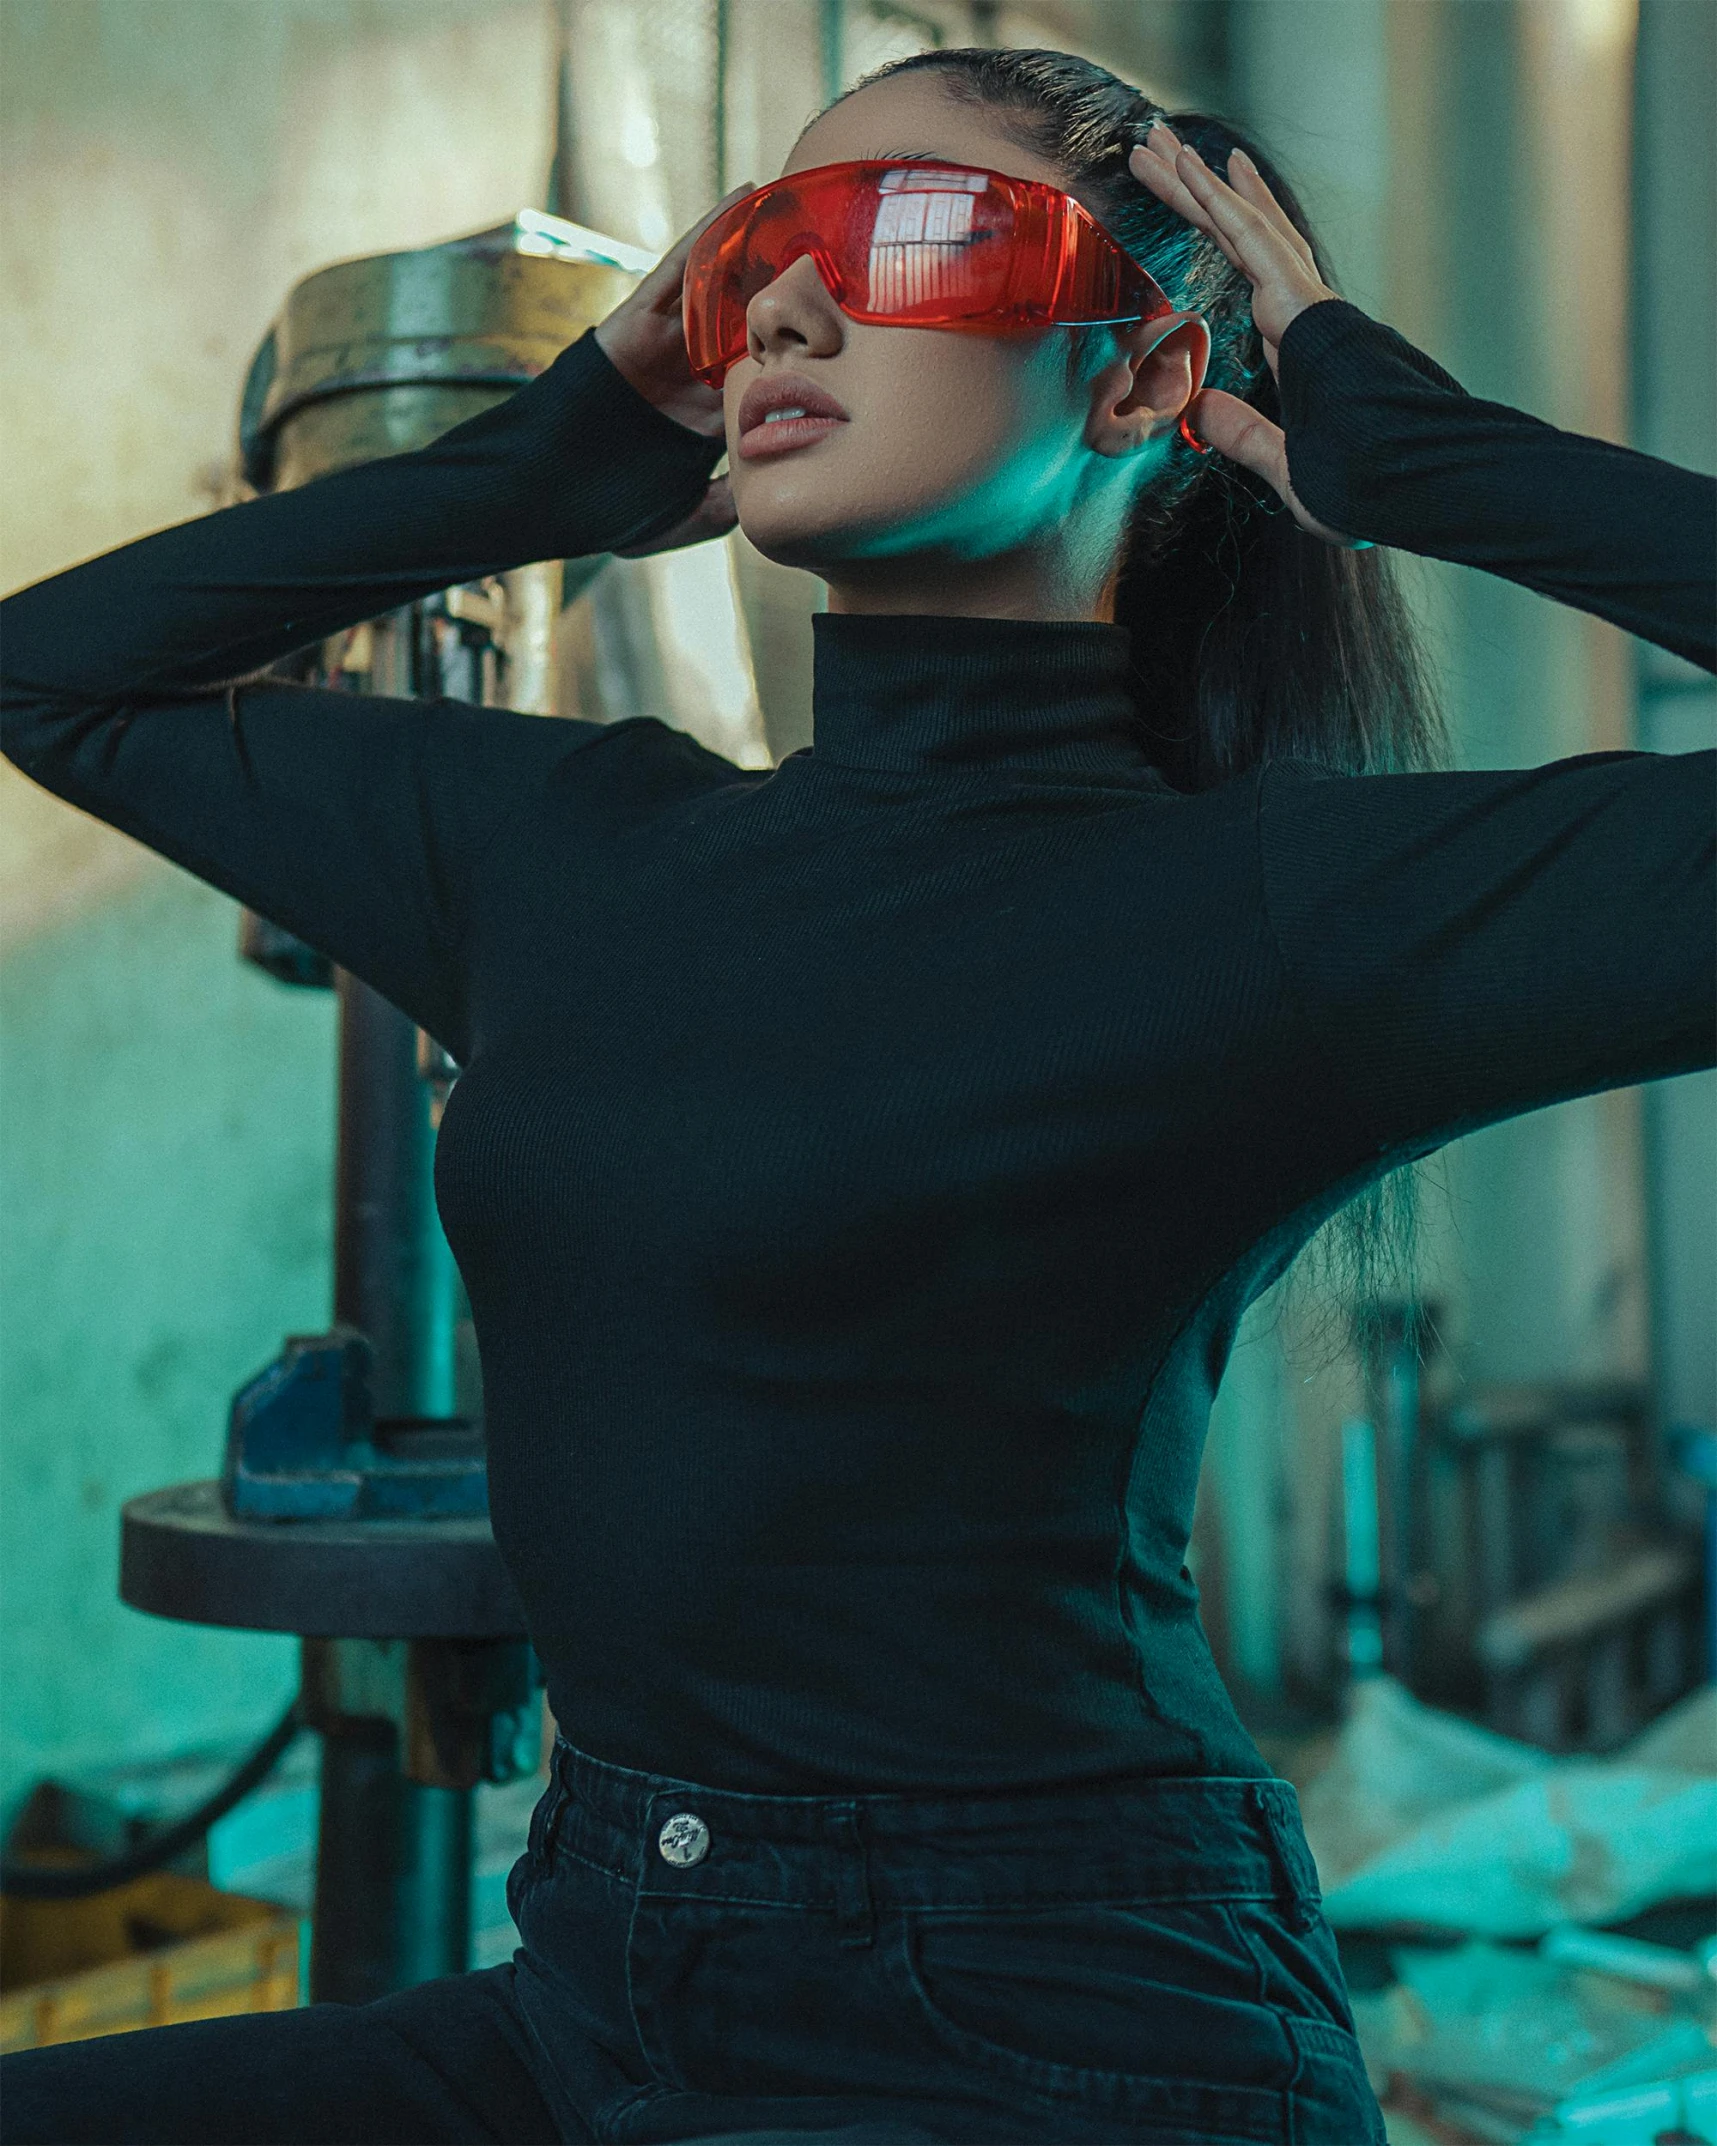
<point>1302,1895</point>
<point>855,1915</point>
<point>545,1819</point>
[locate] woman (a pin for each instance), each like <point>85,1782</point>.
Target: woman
<point>860,1167</point>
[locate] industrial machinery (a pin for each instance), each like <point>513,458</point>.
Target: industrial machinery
<point>1509,1550</point>
<point>352,1509</point>
<point>1575,1592</point>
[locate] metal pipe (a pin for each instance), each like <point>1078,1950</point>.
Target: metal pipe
<point>393,1871</point>
<point>433,1883</point>
<point>394,1277</point>
<point>832,41</point>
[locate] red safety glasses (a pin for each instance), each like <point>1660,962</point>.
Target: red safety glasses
<point>913,246</point>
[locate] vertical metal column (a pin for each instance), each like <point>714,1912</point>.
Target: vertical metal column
<point>394,1277</point>
<point>354,1940</point>
<point>393,1872</point>
<point>1392,1379</point>
<point>394,1859</point>
<point>393,1867</point>
<point>832,41</point>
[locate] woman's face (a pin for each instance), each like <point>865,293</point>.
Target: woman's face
<point>951,443</point>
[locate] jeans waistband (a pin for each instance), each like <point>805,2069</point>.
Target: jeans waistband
<point>1145,1838</point>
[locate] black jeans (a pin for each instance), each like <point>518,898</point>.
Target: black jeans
<point>1142,1961</point>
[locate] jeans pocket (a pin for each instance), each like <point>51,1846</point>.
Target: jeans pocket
<point>1144,2014</point>
<point>1299,1969</point>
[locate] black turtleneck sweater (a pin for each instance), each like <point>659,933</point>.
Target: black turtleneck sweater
<point>860,1166</point>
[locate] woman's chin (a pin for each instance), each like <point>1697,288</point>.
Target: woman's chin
<point>819,532</point>
<point>817,537</point>
<point>801,516</point>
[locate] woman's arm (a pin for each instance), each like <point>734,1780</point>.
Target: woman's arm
<point>1379,444</point>
<point>1465,947</point>
<point>1383,444</point>
<point>356,822</point>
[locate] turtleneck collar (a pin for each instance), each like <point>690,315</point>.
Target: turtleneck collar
<point>910,694</point>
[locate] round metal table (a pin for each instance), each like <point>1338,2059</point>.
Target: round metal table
<point>183,1555</point>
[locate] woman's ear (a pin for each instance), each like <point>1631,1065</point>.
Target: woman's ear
<point>1158,367</point>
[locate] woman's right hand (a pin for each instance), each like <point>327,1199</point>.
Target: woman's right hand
<point>644,338</point>
<point>1257,235</point>
<point>1245,219</point>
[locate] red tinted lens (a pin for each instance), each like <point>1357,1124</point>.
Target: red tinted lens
<point>739,255</point>
<point>911,245</point>
<point>933,245</point>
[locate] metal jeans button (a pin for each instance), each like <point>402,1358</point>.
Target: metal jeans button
<point>683,1840</point>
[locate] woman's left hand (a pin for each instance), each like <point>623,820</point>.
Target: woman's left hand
<point>644,339</point>
<point>1252,228</point>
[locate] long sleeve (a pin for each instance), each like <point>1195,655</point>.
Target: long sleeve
<point>355,821</point>
<point>1383,444</point>
<point>1469,946</point>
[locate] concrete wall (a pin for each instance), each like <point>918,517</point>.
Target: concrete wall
<point>169,167</point>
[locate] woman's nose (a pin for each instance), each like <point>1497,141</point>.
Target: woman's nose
<point>795,313</point>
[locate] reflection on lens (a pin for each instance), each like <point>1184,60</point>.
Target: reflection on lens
<point>919,243</point>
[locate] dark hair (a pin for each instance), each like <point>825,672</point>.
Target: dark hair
<point>1252,641</point>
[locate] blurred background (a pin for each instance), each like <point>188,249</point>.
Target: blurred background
<point>1508,1534</point>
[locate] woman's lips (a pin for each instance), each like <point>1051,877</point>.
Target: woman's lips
<point>780,435</point>
<point>777,415</point>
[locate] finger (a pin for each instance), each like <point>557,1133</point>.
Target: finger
<point>1249,182</point>
<point>674,260</point>
<point>1247,436</point>
<point>1258,247</point>
<point>733,194</point>
<point>1243,434</point>
<point>1227,209</point>
<point>1153,162</point>
<point>1164,180</point>
<point>1155,168</point>
<point>1177,193</point>
<point>1250,226</point>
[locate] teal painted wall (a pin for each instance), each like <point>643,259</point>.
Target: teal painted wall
<point>166,1144</point>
